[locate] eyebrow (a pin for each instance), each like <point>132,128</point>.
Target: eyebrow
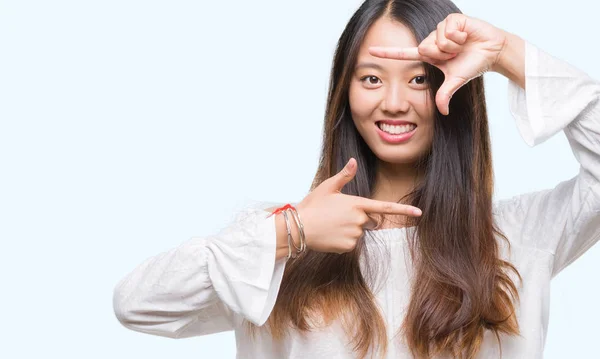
<point>373,65</point>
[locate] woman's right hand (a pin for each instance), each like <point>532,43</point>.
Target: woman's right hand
<point>333,222</point>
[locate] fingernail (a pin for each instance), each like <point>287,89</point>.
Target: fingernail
<point>418,212</point>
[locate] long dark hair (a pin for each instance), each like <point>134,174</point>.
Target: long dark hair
<point>463,286</point>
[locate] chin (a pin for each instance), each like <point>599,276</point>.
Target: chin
<point>398,157</point>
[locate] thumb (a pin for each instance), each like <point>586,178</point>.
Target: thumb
<point>448,88</point>
<point>345,175</point>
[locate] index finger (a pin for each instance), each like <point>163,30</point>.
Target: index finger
<point>375,206</point>
<point>398,53</point>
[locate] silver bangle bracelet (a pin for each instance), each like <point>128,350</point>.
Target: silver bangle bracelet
<point>290,239</point>
<point>296,217</point>
<point>298,249</point>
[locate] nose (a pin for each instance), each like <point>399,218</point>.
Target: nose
<point>394,100</point>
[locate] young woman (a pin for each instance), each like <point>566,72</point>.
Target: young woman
<point>405,122</point>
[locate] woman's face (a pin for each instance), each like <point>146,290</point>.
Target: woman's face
<point>388,89</point>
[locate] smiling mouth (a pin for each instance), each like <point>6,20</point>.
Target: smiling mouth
<point>395,129</point>
<point>396,138</point>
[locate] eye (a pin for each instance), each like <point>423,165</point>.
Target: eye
<point>421,78</point>
<point>369,79</point>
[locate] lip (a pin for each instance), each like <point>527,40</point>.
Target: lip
<point>395,138</point>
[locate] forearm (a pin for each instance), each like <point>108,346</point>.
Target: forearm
<point>511,62</point>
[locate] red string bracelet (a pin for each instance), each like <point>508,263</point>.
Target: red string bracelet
<point>281,209</point>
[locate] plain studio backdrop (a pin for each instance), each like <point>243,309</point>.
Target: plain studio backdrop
<point>128,127</point>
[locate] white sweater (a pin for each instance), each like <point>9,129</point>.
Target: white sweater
<point>208,284</point>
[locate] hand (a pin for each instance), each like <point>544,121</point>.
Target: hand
<point>462,47</point>
<point>333,222</point>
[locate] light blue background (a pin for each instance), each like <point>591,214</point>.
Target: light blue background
<point>128,127</point>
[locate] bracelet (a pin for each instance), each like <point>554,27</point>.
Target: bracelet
<point>290,235</point>
<point>296,217</point>
<point>290,239</point>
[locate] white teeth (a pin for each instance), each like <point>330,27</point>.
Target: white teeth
<point>396,130</point>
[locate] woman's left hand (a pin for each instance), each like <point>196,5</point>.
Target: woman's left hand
<point>462,47</point>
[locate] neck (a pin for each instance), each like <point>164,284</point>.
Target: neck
<point>394,181</point>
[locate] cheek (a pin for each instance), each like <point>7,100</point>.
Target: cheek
<point>362,103</point>
<point>423,104</point>
<point>425,109</point>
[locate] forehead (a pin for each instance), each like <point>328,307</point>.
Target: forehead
<point>387,32</point>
